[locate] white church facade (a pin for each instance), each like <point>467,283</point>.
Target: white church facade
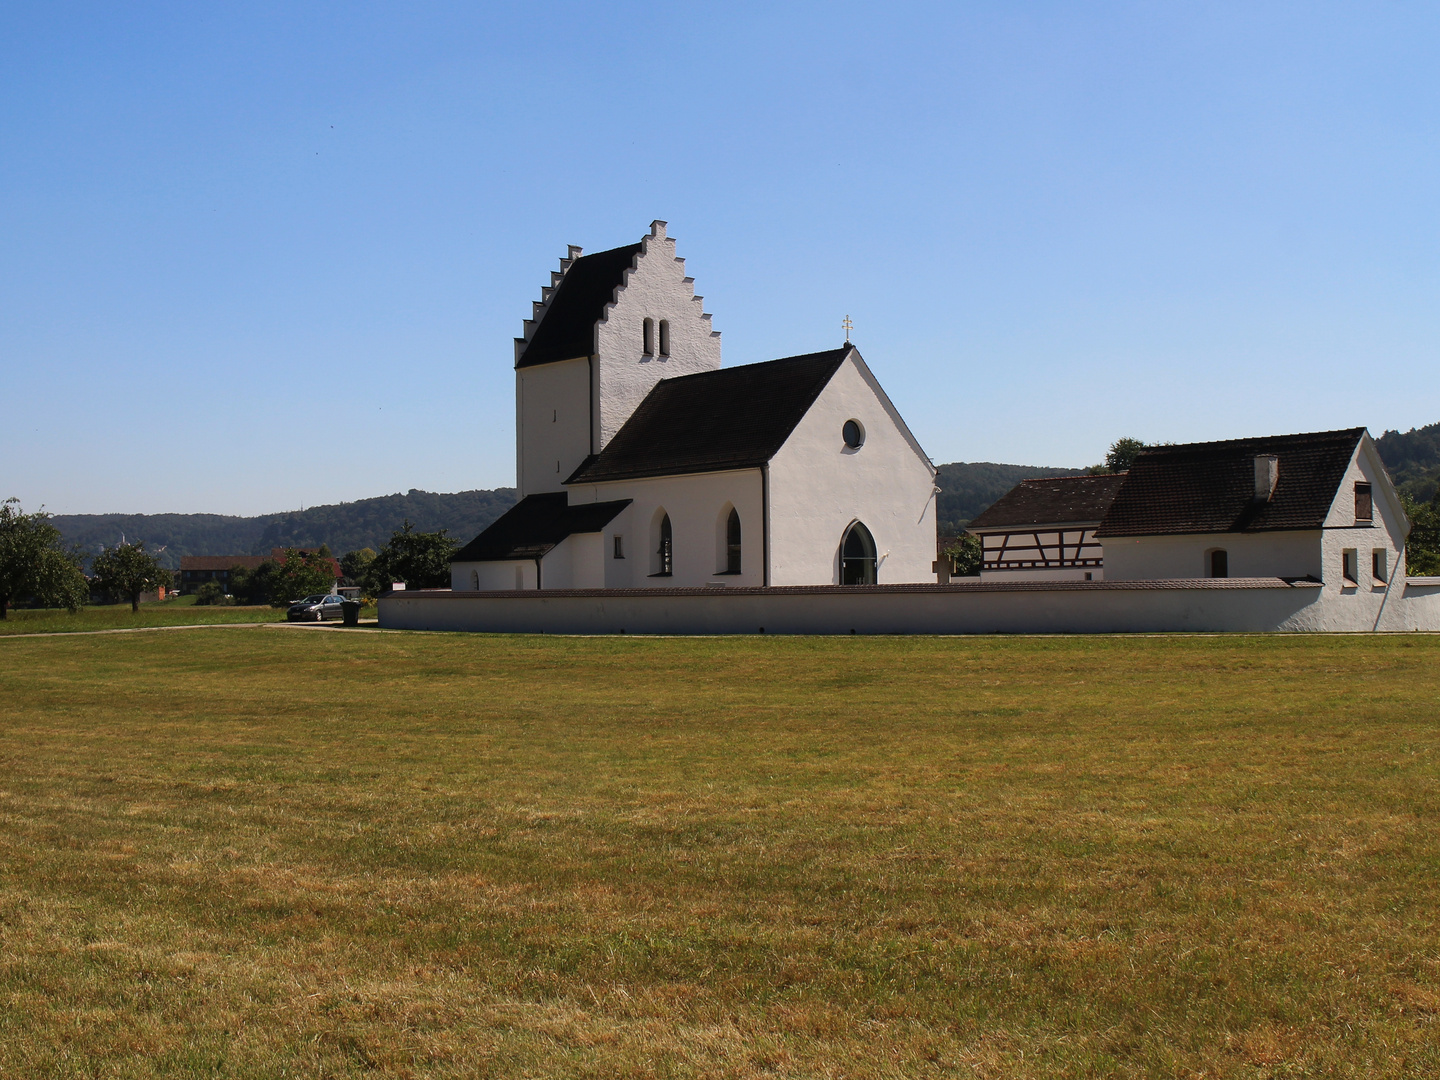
<point>642,463</point>
<point>660,492</point>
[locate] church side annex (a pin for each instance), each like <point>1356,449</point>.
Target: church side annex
<point>663,493</point>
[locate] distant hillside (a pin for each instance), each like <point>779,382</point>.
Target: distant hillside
<point>344,526</point>
<point>968,487</point>
<point>1413,458</point>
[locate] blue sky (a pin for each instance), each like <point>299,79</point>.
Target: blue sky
<point>265,257</point>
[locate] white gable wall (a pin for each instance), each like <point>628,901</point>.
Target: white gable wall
<point>697,504</point>
<point>818,486</point>
<point>656,288</point>
<point>1386,532</point>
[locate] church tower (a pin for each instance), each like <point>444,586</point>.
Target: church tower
<point>603,333</point>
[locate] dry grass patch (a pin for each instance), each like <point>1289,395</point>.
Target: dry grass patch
<point>243,853</point>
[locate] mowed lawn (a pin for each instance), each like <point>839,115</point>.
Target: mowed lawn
<point>261,853</point>
<point>120,617</point>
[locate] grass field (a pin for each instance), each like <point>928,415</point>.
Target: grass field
<point>120,617</point>
<point>245,853</point>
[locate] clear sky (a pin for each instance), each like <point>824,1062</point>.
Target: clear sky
<point>257,257</point>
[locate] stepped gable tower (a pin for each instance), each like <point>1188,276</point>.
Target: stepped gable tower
<point>607,328</point>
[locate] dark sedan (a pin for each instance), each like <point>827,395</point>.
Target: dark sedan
<point>316,609</point>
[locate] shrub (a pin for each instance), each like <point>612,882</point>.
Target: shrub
<point>210,593</point>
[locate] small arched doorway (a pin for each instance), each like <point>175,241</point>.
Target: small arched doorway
<point>857,556</point>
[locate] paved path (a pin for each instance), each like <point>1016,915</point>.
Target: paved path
<point>365,624</point>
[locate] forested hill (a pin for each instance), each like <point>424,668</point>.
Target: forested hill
<point>1413,458</point>
<point>344,526</point>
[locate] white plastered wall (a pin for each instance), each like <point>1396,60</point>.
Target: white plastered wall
<point>491,576</point>
<point>1261,554</point>
<point>574,563</point>
<point>818,486</point>
<point>695,503</point>
<point>552,424</point>
<point>656,288</point>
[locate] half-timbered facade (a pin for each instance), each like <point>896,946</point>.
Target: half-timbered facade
<point>1044,530</point>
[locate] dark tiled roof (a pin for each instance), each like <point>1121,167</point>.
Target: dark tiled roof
<point>734,418</point>
<point>536,524</point>
<point>1051,501</point>
<point>567,328</point>
<point>1209,487</point>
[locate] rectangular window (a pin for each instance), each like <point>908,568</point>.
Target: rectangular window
<point>619,546</point>
<point>1364,505</point>
<point>1379,565</point>
<point>1347,566</point>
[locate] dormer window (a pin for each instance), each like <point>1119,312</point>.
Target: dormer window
<point>664,337</point>
<point>647,334</point>
<point>1364,505</point>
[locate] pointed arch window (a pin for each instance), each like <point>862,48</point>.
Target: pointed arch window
<point>732,542</point>
<point>857,556</point>
<point>647,336</point>
<point>665,550</point>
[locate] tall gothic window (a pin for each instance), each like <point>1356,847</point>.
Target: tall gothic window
<point>857,556</point>
<point>732,542</point>
<point>666,550</point>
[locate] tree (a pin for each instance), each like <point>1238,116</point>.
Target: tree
<point>354,563</point>
<point>1422,547</point>
<point>300,574</point>
<point>127,570</point>
<point>420,560</point>
<point>34,562</point>
<point>965,555</point>
<point>1123,452</point>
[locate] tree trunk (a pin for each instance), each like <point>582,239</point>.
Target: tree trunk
<point>4,607</point>
<point>134,602</point>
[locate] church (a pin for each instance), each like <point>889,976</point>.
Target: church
<point>661,493</point>
<point>641,463</point>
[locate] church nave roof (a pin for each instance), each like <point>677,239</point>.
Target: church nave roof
<point>734,418</point>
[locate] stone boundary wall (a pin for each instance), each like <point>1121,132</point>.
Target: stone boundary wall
<point>1197,605</point>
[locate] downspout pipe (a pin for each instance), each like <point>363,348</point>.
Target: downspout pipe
<point>765,523</point>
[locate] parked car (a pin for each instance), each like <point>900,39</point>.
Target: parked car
<point>316,609</point>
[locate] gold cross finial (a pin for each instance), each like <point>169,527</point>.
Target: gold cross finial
<point>847,325</point>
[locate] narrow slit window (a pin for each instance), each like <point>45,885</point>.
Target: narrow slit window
<point>1379,565</point>
<point>647,335</point>
<point>664,337</point>
<point>1364,504</point>
<point>732,543</point>
<point>1347,566</point>
<point>619,546</point>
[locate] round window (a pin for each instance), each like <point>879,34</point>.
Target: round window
<point>854,434</point>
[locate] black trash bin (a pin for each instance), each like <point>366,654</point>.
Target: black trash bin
<point>351,610</point>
